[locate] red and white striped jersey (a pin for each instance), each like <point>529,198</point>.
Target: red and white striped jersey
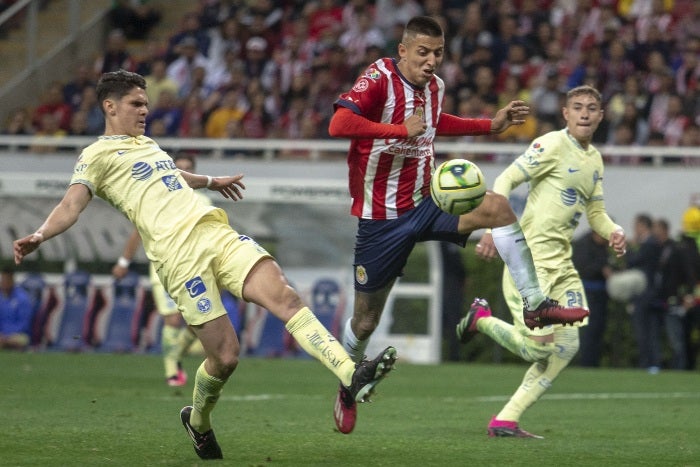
<point>391,176</point>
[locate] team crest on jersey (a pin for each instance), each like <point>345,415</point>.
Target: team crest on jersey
<point>420,111</point>
<point>141,171</point>
<point>371,73</point>
<point>204,305</point>
<point>361,85</point>
<point>360,274</point>
<point>195,286</point>
<point>172,182</point>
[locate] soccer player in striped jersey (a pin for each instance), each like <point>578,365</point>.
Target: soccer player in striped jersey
<point>565,174</point>
<point>392,115</point>
<point>195,251</point>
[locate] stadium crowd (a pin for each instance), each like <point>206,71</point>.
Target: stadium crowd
<point>272,69</point>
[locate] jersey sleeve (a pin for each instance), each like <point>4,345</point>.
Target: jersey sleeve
<point>367,94</point>
<point>534,163</point>
<point>597,214</point>
<point>87,170</point>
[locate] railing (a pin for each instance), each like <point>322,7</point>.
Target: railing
<point>271,149</point>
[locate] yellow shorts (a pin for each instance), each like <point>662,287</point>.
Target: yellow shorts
<point>563,285</point>
<point>214,256</point>
<point>165,305</point>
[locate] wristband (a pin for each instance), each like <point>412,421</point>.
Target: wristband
<point>209,180</point>
<point>123,262</point>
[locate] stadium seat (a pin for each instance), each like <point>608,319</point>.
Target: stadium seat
<point>74,318</point>
<point>123,322</point>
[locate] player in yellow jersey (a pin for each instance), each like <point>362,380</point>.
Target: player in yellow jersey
<point>194,250</point>
<point>565,174</point>
<point>176,339</point>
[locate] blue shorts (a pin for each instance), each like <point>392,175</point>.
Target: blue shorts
<point>382,246</point>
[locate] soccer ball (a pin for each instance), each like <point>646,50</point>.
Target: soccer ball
<point>457,186</point>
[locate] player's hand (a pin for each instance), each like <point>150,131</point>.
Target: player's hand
<point>230,186</point>
<point>119,271</point>
<point>618,242</point>
<point>415,125</point>
<point>512,114</point>
<point>24,246</point>
<point>486,249</point>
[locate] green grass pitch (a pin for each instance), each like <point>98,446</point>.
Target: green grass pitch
<point>115,410</point>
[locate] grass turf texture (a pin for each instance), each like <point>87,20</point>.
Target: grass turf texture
<point>99,409</point>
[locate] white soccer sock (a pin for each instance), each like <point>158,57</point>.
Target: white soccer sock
<point>354,346</point>
<point>512,246</point>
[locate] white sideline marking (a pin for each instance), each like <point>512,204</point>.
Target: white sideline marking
<point>604,395</point>
<point>567,397</point>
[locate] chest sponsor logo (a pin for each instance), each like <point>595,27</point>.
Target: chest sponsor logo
<point>141,171</point>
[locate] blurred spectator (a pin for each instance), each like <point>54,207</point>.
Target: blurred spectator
<point>647,318</point>
<point>325,18</point>
<point>658,18</point>
<point>135,17</point>
<point>225,39</point>
<point>257,120</point>
<point>115,56</point>
<point>546,99</point>
<point>95,119</point>
<point>687,76</point>
<point>49,129</point>
<point>257,63</point>
<point>167,110</point>
<point>188,58</point>
<point>158,81</point>
<point>191,33</point>
<point>154,49</point>
<point>634,127</point>
<point>18,122</point>
<point>79,124</point>
<point>390,12</point>
<point>689,244</point>
<point>53,104</point>
<point>590,258</point>
<point>676,121</point>
<point>192,121</point>
<point>517,64</point>
<point>364,34</point>
<point>674,284</point>
<point>232,108</point>
<point>615,68</point>
<point>73,89</point>
<point>15,313</point>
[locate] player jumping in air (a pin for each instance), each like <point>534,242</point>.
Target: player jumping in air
<point>392,115</point>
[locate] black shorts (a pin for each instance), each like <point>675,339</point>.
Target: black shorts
<point>382,246</point>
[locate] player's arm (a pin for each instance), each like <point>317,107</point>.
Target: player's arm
<point>63,216</point>
<point>120,269</point>
<point>347,124</point>
<point>601,222</point>
<point>229,186</point>
<point>512,114</point>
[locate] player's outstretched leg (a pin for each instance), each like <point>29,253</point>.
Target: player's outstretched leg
<point>367,375</point>
<point>467,326</point>
<point>550,312</point>
<point>205,444</point>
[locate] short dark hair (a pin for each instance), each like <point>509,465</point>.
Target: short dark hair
<point>117,84</point>
<point>425,25</point>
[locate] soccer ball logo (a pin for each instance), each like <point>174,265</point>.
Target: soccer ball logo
<point>457,186</point>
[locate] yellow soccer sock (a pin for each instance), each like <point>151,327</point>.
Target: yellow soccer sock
<point>318,342</point>
<point>207,389</point>
<point>185,338</point>
<point>169,349</point>
<point>538,378</point>
<point>509,338</point>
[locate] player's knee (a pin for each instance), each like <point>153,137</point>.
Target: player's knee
<point>500,211</point>
<point>567,343</point>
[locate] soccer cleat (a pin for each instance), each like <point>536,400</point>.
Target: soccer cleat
<point>205,444</point>
<point>178,380</point>
<point>550,312</point>
<point>369,373</point>
<point>345,410</point>
<point>479,309</point>
<point>506,429</point>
